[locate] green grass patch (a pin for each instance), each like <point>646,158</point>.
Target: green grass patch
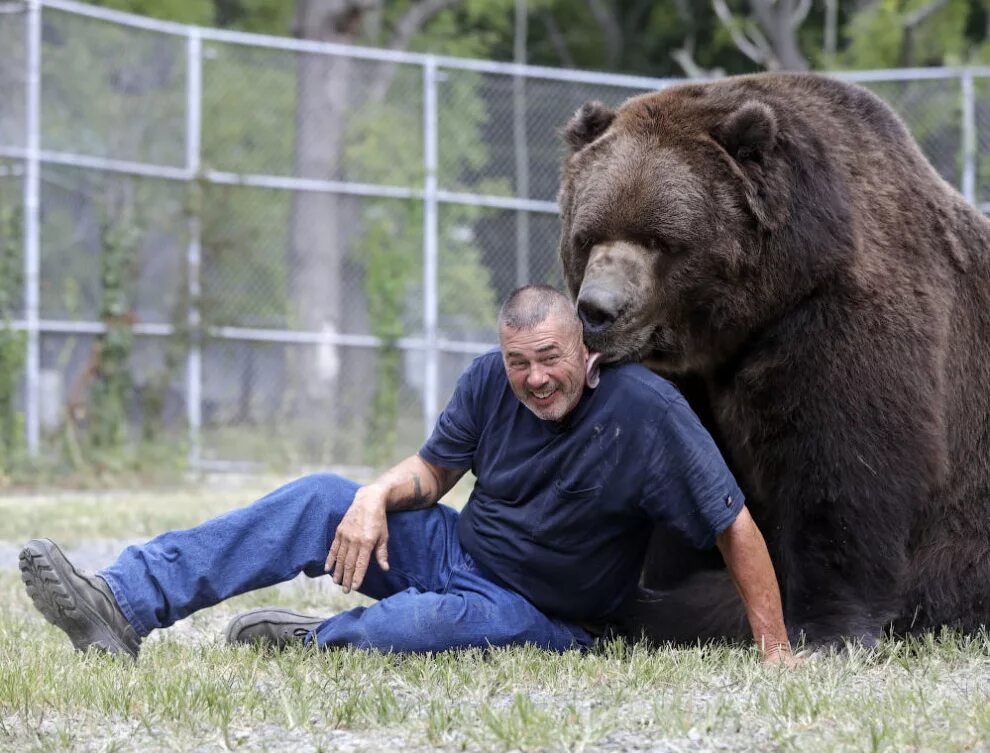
<point>189,691</point>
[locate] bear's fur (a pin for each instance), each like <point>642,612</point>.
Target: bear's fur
<point>780,242</point>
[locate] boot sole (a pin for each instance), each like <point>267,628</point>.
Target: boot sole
<point>43,569</point>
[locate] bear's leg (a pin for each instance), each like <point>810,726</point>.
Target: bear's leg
<point>685,595</point>
<point>831,594</point>
<point>704,606</point>
<point>837,584</point>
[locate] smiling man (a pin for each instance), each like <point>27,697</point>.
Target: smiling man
<point>571,475</point>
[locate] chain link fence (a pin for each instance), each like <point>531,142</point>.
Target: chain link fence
<point>292,249</point>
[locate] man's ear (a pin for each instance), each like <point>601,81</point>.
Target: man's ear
<point>587,124</point>
<point>749,133</point>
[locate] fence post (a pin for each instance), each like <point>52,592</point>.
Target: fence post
<point>430,245</point>
<point>520,146</point>
<point>194,362</point>
<point>968,138</point>
<point>32,230</point>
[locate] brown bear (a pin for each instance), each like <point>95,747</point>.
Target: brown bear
<point>778,244</point>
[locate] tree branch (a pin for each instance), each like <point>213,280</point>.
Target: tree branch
<point>831,28</point>
<point>919,15</point>
<point>800,13</point>
<point>911,22</point>
<point>780,20</point>
<point>338,21</point>
<point>754,50</point>
<point>684,57</point>
<point>409,25</point>
<point>415,19</point>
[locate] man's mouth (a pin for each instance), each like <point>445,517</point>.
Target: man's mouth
<point>543,394</point>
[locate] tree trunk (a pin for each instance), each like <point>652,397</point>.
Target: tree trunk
<point>317,248</point>
<point>324,224</point>
<point>778,19</point>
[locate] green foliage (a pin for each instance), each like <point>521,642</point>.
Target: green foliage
<point>111,387</point>
<point>879,37</point>
<point>12,343</point>
<point>262,16</point>
<point>249,98</point>
<point>200,12</point>
<point>385,145</point>
<point>244,257</point>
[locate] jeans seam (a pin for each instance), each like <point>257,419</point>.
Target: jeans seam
<point>466,566</point>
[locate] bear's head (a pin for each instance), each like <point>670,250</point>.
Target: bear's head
<point>692,216</point>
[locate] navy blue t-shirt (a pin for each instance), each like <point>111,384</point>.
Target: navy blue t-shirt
<point>561,512</point>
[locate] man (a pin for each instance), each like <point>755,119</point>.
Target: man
<point>547,549</point>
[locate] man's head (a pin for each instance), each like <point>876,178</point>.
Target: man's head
<point>542,349</point>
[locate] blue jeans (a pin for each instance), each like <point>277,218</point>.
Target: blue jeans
<point>432,598</point>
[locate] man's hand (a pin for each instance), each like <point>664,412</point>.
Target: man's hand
<point>412,484</point>
<point>362,530</point>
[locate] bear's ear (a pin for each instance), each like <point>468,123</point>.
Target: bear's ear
<point>748,133</point>
<point>587,124</point>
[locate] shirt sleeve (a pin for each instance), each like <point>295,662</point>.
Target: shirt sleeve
<point>455,436</point>
<point>689,487</point>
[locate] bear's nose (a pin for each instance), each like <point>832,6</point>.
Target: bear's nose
<point>598,309</point>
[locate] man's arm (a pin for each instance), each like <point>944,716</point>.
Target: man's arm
<point>748,561</point>
<point>413,484</point>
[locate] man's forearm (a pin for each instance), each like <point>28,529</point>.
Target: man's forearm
<point>414,484</point>
<point>748,561</point>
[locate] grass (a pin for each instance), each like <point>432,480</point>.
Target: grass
<point>190,692</point>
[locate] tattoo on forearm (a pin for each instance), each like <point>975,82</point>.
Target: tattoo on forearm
<point>420,498</point>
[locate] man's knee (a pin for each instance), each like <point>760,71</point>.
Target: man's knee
<point>329,492</point>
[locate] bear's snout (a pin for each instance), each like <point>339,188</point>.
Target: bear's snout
<point>598,307</point>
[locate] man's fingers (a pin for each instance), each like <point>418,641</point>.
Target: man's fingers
<point>332,556</point>
<point>350,562</point>
<point>381,553</point>
<point>339,561</point>
<point>361,568</point>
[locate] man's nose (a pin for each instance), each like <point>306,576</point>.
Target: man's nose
<point>537,377</point>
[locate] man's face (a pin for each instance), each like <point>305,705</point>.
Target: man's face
<point>546,366</point>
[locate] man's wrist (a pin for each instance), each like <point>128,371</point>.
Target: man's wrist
<point>775,646</point>
<point>374,494</point>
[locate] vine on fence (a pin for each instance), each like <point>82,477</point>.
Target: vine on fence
<point>12,342</point>
<point>389,269</point>
<point>114,419</point>
<point>112,382</point>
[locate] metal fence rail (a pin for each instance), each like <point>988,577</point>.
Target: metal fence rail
<point>260,190</point>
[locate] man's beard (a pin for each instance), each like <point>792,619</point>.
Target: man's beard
<point>562,404</point>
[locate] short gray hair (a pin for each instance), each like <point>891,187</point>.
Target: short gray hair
<point>531,305</point>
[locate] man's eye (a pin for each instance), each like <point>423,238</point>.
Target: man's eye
<point>551,360</point>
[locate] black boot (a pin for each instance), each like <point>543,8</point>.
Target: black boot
<point>79,604</point>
